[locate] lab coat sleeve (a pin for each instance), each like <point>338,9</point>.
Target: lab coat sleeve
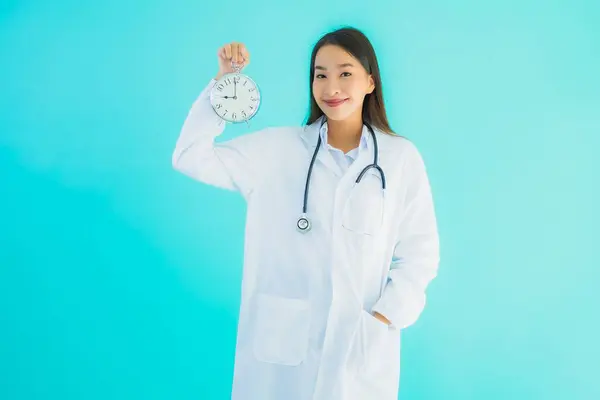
<point>416,253</point>
<point>230,164</point>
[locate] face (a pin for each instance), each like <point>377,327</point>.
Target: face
<point>340,83</point>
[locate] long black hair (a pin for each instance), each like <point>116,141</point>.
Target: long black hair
<point>358,45</point>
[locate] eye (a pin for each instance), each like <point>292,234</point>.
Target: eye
<point>319,76</point>
<point>346,74</point>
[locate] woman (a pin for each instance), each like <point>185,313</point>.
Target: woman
<point>322,308</point>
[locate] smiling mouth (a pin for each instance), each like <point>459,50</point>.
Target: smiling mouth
<point>334,103</point>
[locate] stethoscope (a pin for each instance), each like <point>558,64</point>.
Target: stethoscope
<point>303,225</point>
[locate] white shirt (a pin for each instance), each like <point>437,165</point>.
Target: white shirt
<point>343,160</point>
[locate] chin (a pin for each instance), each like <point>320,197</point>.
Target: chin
<point>335,114</point>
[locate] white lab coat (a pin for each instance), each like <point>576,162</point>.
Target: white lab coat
<point>306,329</point>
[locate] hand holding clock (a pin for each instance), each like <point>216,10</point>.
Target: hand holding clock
<point>231,54</point>
<point>228,102</point>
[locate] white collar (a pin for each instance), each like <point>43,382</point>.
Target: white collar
<point>363,145</point>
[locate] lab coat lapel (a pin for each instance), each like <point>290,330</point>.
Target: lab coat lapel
<point>310,136</point>
<point>365,157</point>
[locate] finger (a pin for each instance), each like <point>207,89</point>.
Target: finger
<point>245,54</point>
<point>235,52</point>
<point>228,51</point>
<point>221,53</point>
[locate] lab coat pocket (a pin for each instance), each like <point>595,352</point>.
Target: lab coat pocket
<point>364,208</point>
<point>281,330</point>
<point>381,349</point>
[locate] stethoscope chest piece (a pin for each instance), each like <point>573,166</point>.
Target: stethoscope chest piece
<point>303,224</point>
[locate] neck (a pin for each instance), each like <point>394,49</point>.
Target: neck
<point>345,134</point>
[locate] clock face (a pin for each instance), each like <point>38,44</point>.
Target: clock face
<point>235,97</point>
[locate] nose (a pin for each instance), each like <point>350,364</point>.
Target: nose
<point>332,88</point>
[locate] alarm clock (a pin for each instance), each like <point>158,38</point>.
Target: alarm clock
<point>235,97</point>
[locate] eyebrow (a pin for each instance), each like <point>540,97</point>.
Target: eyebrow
<point>339,65</point>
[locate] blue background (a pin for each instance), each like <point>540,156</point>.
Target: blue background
<point>120,278</point>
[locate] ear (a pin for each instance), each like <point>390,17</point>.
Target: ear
<point>371,86</point>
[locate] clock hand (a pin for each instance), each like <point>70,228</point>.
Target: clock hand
<point>234,89</point>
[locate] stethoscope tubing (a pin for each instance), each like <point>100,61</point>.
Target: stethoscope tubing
<point>303,223</point>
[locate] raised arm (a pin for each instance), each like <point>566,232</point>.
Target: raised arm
<point>232,164</point>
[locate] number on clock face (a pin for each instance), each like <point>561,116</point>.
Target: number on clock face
<point>235,98</point>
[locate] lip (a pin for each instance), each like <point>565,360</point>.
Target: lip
<point>335,103</point>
